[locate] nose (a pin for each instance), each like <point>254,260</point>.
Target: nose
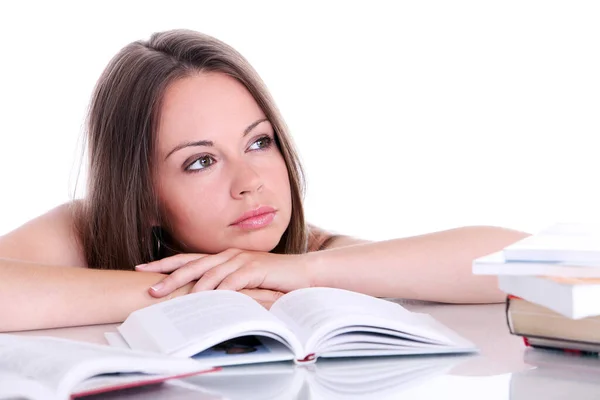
<point>246,180</point>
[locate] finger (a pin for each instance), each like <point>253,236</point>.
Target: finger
<point>244,278</point>
<point>264,297</point>
<point>170,264</point>
<point>189,272</point>
<point>213,277</point>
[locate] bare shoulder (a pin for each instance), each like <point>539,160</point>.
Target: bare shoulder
<point>320,239</point>
<point>50,239</point>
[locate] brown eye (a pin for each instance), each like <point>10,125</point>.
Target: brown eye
<point>201,163</point>
<point>261,143</point>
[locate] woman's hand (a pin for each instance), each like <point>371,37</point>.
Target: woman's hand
<point>232,269</point>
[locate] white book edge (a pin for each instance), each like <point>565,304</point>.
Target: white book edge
<point>567,242</point>
<point>496,264</point>
<point>572,301</point>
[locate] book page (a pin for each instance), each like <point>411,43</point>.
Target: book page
<point>13,386</point>
<point>60,364</point>
<point>243,350</point>
<point>316,314</point>
<point>44,362</point>
<point>193,323</point>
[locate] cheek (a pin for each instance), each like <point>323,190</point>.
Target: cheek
<point>196,221</point>
<point>187,205</point>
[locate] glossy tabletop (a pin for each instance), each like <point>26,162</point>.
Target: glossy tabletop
<point>503,369</point>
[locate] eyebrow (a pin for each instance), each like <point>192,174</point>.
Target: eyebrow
<point>210,143</point>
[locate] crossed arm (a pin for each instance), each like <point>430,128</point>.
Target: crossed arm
<point>433,267</point>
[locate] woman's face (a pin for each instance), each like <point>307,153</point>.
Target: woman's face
<point>221,180</point>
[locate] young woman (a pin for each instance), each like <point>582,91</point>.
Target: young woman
<point>194,184</point>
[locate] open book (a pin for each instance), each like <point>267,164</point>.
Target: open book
<point>229,328</point>
<point>46,368</point>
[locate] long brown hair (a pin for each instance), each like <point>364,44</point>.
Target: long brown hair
<point>115,221</point>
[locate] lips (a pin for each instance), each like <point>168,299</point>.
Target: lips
<point>256,218</point>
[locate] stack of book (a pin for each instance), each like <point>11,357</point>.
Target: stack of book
<point>552,282</point>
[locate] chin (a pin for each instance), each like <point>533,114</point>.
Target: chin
<point>264,241</point>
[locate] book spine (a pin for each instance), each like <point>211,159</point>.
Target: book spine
<point>309,359</point>
<point>507,314</point>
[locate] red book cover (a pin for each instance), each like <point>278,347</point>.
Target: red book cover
<point>559,347</point>
<point>564,350</point>
<point>139,381</point>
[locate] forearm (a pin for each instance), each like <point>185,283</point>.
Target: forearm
<point>34,296</point>
<point>434,267</point>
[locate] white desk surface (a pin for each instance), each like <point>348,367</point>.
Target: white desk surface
<point>504,369</point>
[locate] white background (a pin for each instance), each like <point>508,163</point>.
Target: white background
<point>410,117</point>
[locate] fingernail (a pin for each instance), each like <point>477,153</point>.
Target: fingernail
<point>158,286</point>
<point>141,266</point>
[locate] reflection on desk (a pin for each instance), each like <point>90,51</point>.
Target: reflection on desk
<point>361,378</point>
<point>364,378</point>
<point>504,369</point>
<point>557,375</point>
